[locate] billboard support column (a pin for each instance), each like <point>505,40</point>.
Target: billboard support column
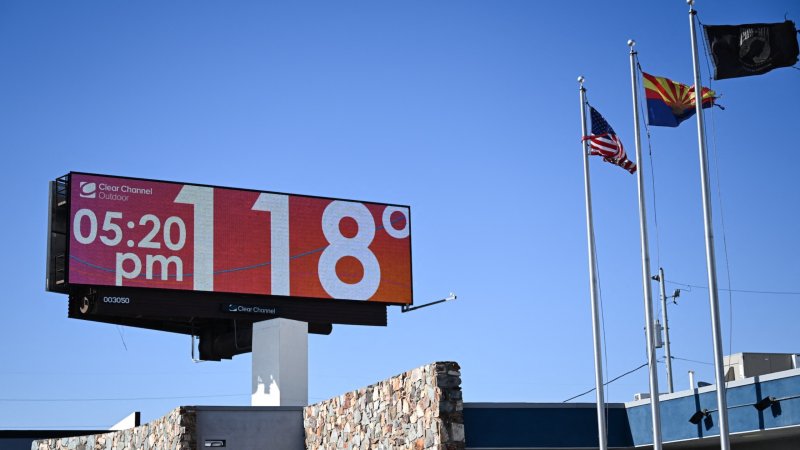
<point>280,363</point>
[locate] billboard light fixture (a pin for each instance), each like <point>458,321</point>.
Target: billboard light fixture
<point>406,308</point>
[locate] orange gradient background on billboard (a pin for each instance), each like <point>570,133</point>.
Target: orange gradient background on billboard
<point>106,241</point>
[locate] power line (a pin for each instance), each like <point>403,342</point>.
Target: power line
<point>122,337</point>
<point>120,373</point>
<point>45,400</point>
<point>57,427</point>
<point>606,384</point>
<point>693,360</point>
<point>652,170</point>
<point>745,291</point>
<point>719,198</point>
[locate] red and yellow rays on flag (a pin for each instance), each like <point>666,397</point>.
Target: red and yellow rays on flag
<point>669,103</point>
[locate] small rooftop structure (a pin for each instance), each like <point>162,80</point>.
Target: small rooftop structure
<point>747,365</point>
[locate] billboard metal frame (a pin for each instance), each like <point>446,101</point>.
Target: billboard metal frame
<point>68,178</point>
<point>187,311</point>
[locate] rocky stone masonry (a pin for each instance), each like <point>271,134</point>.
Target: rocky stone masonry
<point>419,410</point>
<point>175,431</point>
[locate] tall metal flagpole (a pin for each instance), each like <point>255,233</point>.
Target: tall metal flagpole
<point>711,264</point>
<point>648,298</point>
<point>598,362</point>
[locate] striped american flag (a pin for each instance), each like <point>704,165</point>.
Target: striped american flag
<point>604,142</point>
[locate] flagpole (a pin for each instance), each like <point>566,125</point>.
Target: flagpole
<point>598,362</point>
<point>648,302</point>
<point>711,264</point>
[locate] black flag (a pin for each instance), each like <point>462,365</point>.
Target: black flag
<point>751,49</point>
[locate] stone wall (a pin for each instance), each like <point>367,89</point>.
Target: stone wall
<point>175,431</point>
<point>420,410</point>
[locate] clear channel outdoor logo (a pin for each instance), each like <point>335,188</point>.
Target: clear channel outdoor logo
<point>113,192</point>
<point>88,189</point>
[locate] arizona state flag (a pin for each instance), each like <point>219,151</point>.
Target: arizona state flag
<point>751,49</point>
<point>669,103</point>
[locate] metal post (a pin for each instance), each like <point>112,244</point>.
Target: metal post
<point>667,355</point>
<point>598,362</point>
<point>648,302</point>
<point>722,402</point>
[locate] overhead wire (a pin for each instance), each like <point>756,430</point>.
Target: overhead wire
<point>692,360</point>
<point>604,373</point>
<point>719,195</point>
<point>653,185</point>
<point>56,427</point>
<point>745,291</point>
<point>652,172</point>
<point>607,383</point>
<point>122,372</point>
<point>122,337</point>
<point>114,399</point>
<point>602,329</point>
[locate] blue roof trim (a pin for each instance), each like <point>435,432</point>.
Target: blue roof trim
<point>742,415</point>
<point>542,426</point>
<point>574,425</point>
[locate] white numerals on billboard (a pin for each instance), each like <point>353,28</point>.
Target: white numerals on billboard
<point>108,225</point>
<point>128,266</point>
<point>202,197</point>
<point>387,222</point>
<point>147,242</point>
<point>76,226</point>
<point>115,235</point>
<point>174,221</point>
<point>356,247</point>
<point>278,207</point>
<point>143,242</point>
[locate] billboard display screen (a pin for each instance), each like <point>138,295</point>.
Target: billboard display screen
<point>155,234</point>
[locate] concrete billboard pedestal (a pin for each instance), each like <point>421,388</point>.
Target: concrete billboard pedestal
<point>280,363</point>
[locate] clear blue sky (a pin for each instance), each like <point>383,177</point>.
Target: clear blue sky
<point>467,111</point>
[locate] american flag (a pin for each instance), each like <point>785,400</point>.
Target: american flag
<point>604,142</point>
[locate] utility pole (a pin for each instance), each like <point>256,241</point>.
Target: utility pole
<point>667,355</point>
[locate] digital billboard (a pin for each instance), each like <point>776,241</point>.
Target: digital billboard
<point>137,233</point>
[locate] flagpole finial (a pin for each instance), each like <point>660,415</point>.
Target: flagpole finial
<point>581,79</point>
<point>631,43</point>
<point>690,3</point>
